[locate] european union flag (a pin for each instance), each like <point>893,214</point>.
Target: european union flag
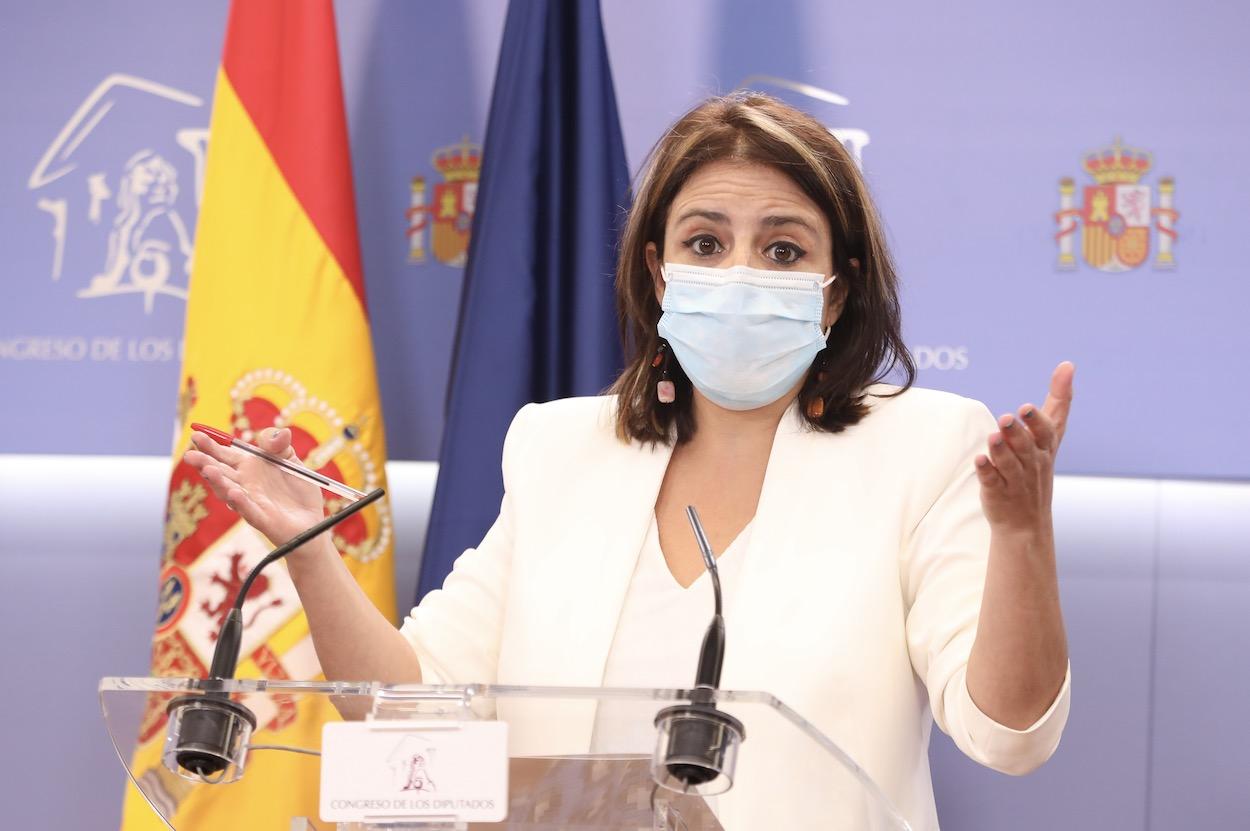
<point>537,317</point>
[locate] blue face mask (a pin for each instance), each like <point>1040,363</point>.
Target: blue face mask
<point>744,336</point>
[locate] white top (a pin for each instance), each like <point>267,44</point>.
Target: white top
<point>658,639</point>
<point>856,601</point>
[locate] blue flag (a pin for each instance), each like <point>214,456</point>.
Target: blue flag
<point>537,315</point>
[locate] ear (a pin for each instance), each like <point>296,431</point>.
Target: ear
<point>653,265</point>
<point>835,299</point>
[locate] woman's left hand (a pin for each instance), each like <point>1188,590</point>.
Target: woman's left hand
<point>1017,475</point>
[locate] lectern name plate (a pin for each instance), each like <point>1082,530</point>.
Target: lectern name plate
<point>373,770</point>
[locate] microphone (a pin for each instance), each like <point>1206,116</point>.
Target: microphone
<point>208,733</point>
<point>712,653</point>
<point>697,746</point>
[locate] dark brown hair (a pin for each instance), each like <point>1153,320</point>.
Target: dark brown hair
<point>866,343</point>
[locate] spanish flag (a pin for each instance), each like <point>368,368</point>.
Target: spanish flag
<point>277,334</point>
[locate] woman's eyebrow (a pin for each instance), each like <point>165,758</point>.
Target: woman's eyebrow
<point>775,221</point>
<point>713,216</point>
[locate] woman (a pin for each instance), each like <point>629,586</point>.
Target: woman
<point>886,551</point>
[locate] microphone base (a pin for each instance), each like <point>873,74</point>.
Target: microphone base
<point>206,740</point>
<point>696,749</point>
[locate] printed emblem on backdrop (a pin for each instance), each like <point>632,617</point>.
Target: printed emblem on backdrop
<point>447,214</point>
<point>852,138</point>
<point>121,196</point>
<point>209,550</point>
<point>1118,213</point>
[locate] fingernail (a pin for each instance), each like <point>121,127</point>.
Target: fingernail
<point>1030,412</point>
<point>998,441</point>
<point>1011,422</point>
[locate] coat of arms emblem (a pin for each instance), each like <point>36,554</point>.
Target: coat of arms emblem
<point>448,216</point>
<point>127,223</point>
<point>1117,213</point>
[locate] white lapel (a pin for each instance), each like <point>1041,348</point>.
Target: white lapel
<point>605,524</point>
<point>784,533</point>
<point>579,565</point>
<point>628,485</point>
<point>601,529</point>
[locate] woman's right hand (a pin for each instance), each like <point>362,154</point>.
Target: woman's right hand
<point>275,503</point>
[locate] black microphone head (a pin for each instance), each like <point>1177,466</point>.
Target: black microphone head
<point>700,537</point>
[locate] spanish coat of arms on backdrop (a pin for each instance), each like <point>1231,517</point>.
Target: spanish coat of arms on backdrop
<point>448,216</point>
<point>1118,213</point>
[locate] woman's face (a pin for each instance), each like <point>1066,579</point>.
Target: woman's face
<point>732,213</point>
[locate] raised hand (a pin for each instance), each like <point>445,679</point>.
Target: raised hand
<point>1017,474</point>
<point>272,502</point>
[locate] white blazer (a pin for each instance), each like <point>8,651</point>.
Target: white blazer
<point>856,605</point>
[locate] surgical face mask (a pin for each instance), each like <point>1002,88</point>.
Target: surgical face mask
<point>744,336</point>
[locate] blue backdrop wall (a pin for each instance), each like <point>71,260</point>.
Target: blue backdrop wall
<point>967,119</point>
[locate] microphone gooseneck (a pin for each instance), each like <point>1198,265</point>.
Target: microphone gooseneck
<point>208,732</point>
<point>226,653</point>
<point>705,548</point>
<point>712,653</point>
<point>698,743</point>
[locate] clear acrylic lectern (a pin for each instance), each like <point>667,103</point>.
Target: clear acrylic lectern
<point>786,775</point>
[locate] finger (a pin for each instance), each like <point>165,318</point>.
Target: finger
<point>1005,459</point>
<point>197,460</point>
<point>987,474</point>
<point>1059,399</point>
<point>1018,438</point>
<point>241,503</point>
<point>219,481</point>
<point>219,452</point>
<point>277,441</point>
<point>1040,425</point>
<point>219,471</point>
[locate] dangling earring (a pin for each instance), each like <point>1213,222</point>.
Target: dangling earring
<point>665,392</point>
<point>816,407</point>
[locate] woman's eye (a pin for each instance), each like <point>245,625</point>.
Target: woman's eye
<point>785,252</point>
<point>703,245</point>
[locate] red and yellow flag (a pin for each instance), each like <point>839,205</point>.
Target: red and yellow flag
<point>277,334</point>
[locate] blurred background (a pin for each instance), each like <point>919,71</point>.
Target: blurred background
<point>988,133</point>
